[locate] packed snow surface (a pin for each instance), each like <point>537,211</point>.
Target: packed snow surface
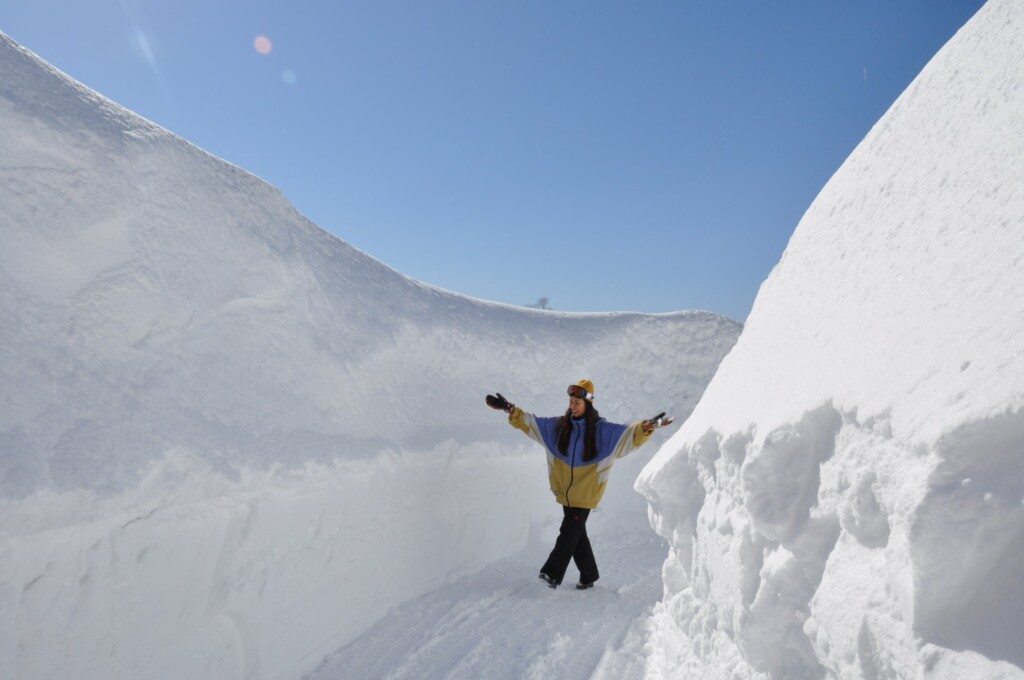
<point>231,446</point>
<point>847,500</point>
<point>230,443</point>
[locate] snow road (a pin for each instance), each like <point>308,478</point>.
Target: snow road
<point>504,623</point>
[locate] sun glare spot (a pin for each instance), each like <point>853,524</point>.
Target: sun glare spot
<point>263,45</point>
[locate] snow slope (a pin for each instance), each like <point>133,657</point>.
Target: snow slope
<point>847,500</point>
<point>503,624</point>
<point>229,442</point>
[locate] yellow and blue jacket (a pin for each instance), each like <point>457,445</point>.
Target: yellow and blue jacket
<point>577,483</point>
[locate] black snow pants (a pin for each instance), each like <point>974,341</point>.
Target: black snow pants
<point>572,544</point>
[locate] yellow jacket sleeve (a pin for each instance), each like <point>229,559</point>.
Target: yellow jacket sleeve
<point>517,419</point>
<point>525,423</point>
<point>640,437</point>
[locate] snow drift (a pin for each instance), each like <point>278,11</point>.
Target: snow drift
<point>229,442</point>
<point>847,500</point>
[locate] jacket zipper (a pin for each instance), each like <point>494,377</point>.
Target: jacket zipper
<point>572,466</point>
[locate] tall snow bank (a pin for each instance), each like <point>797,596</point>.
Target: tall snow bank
<point>229,442</point>
<point>847,500</point>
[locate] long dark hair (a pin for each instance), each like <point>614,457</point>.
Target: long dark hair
<point>589,433</point>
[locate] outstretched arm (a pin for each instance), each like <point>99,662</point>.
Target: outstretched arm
<point>517,417</point>
<point>637,434</point>
<point>641,434</point>
<point>541,430</point>
<point>537,429</point>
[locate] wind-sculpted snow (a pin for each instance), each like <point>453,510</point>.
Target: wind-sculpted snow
<point>229,442</point>
<point>847,500</point>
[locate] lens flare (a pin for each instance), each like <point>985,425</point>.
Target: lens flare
<point>263,45</point>
<point>289,77</point>
<point>144,46</point>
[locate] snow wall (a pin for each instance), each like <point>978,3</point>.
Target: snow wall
<point>847,500</point>
<point>229,442</point>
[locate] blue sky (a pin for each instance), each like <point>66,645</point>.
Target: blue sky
<point>650,156</point>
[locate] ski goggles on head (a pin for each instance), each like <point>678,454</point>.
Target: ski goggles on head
<point>579,393</point>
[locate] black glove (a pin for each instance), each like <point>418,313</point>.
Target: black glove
<point>657,421</point>
<point>500,403</point>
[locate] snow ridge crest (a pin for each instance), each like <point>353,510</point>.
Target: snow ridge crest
<point>847,497</point>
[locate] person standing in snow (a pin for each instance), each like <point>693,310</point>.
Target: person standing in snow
<point>581,448</point>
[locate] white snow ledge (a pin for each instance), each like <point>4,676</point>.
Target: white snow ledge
<point>828,547</point>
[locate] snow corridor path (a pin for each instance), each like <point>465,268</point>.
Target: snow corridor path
<point>504,623</point>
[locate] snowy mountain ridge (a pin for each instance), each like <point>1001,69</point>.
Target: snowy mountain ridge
<point>853,507</point>
<point>230,442</point>
<point>203,288</point>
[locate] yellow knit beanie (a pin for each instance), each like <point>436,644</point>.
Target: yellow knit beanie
<point>588,387</point>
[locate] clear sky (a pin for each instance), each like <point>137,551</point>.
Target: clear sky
<point>652,155</point>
